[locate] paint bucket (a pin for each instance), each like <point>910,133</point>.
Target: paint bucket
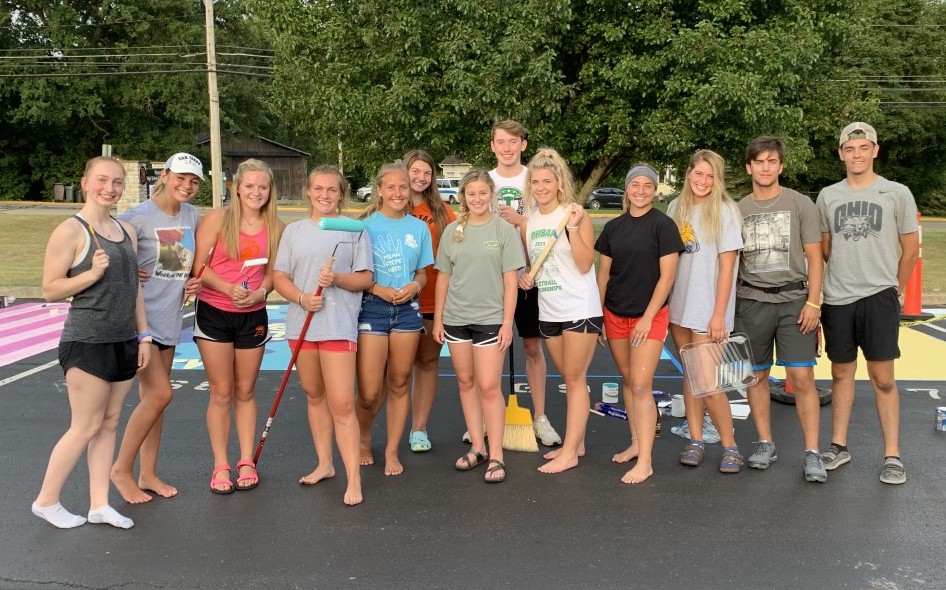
<point>677,408</point>
<point>609,393</point>
<point>940,422</point>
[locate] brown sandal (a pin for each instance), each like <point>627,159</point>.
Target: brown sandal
<point>465,464</point>
<point>494,466</point>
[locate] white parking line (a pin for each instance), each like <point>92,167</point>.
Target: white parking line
<point>19,376</point>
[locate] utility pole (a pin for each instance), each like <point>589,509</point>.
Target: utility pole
<point>216,165</point>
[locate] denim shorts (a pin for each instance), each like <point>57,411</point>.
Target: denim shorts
<point>380,318</point>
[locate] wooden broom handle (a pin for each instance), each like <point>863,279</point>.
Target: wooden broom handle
<point>537,263</point>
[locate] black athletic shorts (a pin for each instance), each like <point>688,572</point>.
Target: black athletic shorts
<point>585,326</point>
<point>527,313</point>
<point>871,324</point>
<point>478,334</point>
<point>110,361</point>
<point>244,330</point>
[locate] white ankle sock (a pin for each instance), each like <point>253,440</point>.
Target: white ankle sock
<point>107,514</point>
<point>58,516</point>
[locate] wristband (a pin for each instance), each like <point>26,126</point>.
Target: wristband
<point>571,227</point>
<point>145,336</point>
<point>815,305</point>
<point>299,300</point>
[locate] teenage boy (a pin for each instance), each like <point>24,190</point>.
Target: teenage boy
<point>509,140</point>
<point>864,219</point>
<point>778,299</point>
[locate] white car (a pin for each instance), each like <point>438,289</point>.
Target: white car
<point>448,188</point>
<point>364,193</point>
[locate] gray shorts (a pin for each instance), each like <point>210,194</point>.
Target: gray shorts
<point>775,325</point>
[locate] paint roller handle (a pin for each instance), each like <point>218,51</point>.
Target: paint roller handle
<point>326,267</point>
<point>540,259</point>
<point>200,272</point>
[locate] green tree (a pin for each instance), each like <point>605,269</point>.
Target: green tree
<point>605,82</point>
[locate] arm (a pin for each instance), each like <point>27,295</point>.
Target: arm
<point>141,316</point>
<point>207,233</point>
<point>668,272</point>
<point>602,277</point>
<point>811,314</point>
<point>510,298</point>
<point>440,299</point>
<point>411,289</point>
<point>909,254</point>
<point>581,237</point>
<point>826,245</point>
<point>727,270</point>
<point>65,243</point>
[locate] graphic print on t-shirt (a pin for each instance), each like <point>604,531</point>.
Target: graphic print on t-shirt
<point>549,280</point>
<point>858,220</point>
<point>175,253</point>
<point>690,244</point>
<point>766,241</point>
<point>511,196</point>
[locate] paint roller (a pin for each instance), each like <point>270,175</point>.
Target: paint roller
<point>328,224</point>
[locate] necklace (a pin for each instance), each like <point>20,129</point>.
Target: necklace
<point>769,205</point>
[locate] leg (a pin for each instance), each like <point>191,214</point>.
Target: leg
<point>338,369</point>
<point>760,406</point>
<point>88,399</point>
<point>695,409</point>
<point>488,371</point>
<point>155,391</point>
<point>371,359</point>
<point>426,365</point>
<point>887,398</point>
<point>536,372</point>
<point>101,450</point>
<point>401,352</point>
<point>218,363</point>
<point>310,370</point>
<point>461,355</point>
<point>807,404</point>
<point>148,456</point>
<point>572,352</point>
<point>246,364</point>
<point>621,353</point>
<point>842,399</point>
<point>643,363</point>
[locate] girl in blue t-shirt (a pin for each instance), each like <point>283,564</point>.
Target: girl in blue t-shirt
<point>390,322</point>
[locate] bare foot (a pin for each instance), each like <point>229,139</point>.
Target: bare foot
<point>552,454</point>
<point>318,475</point>
<point>392,466</point>
<point>560,464</point>
<point>366,457</point>
<point>638,473</point>
<point>628,454</point>
<point>353,493</point>
<point>154,484</point>
<point>125,483</point>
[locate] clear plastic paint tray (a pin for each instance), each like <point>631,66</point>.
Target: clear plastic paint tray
<point>711,367</point>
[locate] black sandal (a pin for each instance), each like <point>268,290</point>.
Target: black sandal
<point>494,466</point>
<point>464,463</point>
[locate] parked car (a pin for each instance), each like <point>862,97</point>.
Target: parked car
<point>605,197</point>
<point>448,188</point>
<point>364,193</point>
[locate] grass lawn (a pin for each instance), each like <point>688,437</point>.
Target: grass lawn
<point>23,243</point>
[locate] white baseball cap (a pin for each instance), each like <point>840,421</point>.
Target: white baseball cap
<point>858,130</point>
<point>183,163</point>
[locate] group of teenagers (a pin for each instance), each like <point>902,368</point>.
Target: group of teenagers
<point>382,302</point>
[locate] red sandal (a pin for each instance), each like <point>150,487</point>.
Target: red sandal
<point>252,479</point>
<point>216,481</point>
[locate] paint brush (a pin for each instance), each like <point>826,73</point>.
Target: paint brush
<point>200,271</point>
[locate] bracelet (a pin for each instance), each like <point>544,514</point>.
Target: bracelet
<point>371,287</point>
<point>572,227</point>
<point>419,288</point>
<point>145,336</point>
<point>299,300</point>
<point>815,305</point>
<point>265,293</point>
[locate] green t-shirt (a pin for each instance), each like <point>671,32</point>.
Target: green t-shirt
<point>476,266</point>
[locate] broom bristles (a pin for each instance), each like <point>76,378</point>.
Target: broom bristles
<point>520,438</point>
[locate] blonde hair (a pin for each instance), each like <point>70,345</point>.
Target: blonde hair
<point>431,194</point>
<point>342,185</point>
<point>712,219</point>
<point>547,158</point>
<point>376,204</point>
<point>101,160</point>
<point>230,227</point>
<point>470,177</point>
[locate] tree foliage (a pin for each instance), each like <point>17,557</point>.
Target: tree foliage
<point>605,82</point>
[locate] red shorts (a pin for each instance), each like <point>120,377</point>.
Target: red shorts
<point>619,327</point>
<point>325,345</point>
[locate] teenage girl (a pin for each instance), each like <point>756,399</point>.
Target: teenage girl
<point>426,206</point>
<point>164,226</point>
<point>326,361</point>
<point>390,323</point>
<point>570,317</point>
<point>702,304</point>
<point>475,308</point>
<point>91,258</point>
<point>638,260</point>
<point>231,326</point>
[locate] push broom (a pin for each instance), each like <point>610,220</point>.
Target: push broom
<point>518,434</point>
<point>326,223</point>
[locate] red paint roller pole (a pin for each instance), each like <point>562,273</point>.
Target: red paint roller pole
<point>913,293</point>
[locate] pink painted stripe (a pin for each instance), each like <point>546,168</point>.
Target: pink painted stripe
<point>19,355</point>
<point>38,321</point>
<point>27,308</point>
<point>29,337</point>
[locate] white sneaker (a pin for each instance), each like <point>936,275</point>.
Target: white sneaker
<point>545,433</point>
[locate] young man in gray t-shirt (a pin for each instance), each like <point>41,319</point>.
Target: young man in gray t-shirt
<point>778,298</point>
<point>864,219</point>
